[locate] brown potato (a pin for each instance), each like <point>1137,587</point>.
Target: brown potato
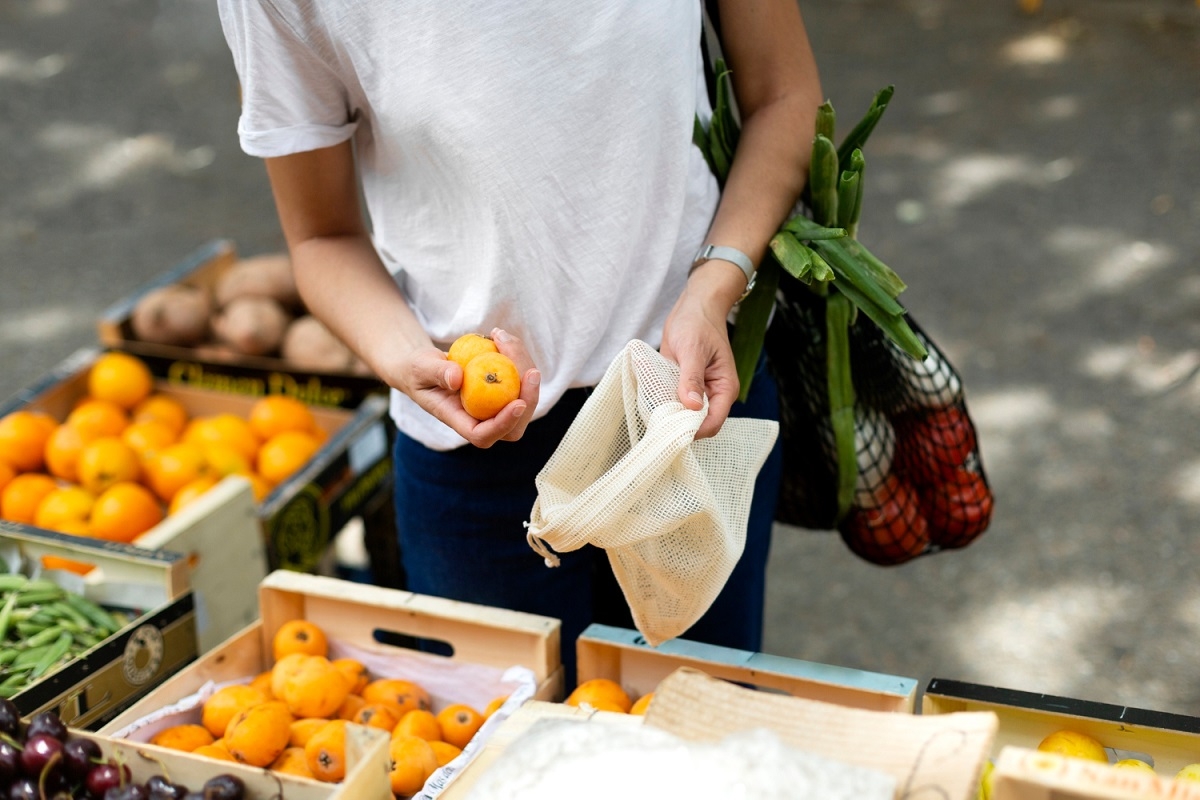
<point>268,275</point>
<point>176,314</point>
<point>253,326</point>
<point>308,344</point>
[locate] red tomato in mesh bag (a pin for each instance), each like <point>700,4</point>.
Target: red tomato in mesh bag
<point>933,444</point>
<point>957,510</point>
<point>890,530</point>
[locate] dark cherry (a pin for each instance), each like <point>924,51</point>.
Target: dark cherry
<point>10,717</point>
<point>130,791</point>
<point>162,789</point>
<point>10,763</point>
<point>103,777</point>
<point>23,789</point>
<point>224,787</point>
<point>39,751</point>
<point>79,756</point>
<point>47,722</point>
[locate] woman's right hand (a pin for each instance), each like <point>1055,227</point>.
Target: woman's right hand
<point>433,381</point>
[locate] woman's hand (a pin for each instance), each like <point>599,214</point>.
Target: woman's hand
<point>432,380</point>
<point>695,337</point>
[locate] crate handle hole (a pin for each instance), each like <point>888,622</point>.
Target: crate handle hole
<point>409,642</point>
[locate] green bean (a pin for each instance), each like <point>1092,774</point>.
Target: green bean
<point>55,653</point>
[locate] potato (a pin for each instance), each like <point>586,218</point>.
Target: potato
<point>175,314</point>
<point>308,344</point>
<point>253,326</point>
<point>267,275</point>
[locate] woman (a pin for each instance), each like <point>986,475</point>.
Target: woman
<point>527,172</point>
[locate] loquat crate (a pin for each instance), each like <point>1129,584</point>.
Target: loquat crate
<point>203,368</point>
<point>159,640</point>
<point>381,627</point>
<point>1164,740</point>
<point>622,655</point>
<point>229,540</point>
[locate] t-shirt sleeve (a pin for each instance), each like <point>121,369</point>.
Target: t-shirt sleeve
<point>292,100</point>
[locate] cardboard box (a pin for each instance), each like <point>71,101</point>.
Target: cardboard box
<point>161,639</point>
<point>1168,742</point>
<point>377,622</point>
<point>1023,774</point>
<point>366,769</point>
<point>230,541</point>
<point>623,655</point>
<point>926,756</point>
<point>249,375</point>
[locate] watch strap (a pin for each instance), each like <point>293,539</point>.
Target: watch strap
<point>734,256</point>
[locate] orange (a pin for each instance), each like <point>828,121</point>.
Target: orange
<point>173,467</point>
<point>490,382</point>
<point>401,695</point>
<point>445,752</point>
<point>227,430</point>
<point>374,715</point>
<point>62,451</point>
<point>70,565</point>
<point>413,761</point>
<point>257,735</point>
<point>148,436</point>
<point>162,408</point>
<point>643,702</point>
<point>225,703</point>
<point>120,378</point>
<point>494,705</point>
<point>187,737</point>
<point>284,453</point>
<point>226,460</point>
<point>23,436</point>
<point>356,671</point>
<point>107,461</point>
<point>326,751</point>
<point>1073,744</point>
<point>262,682</point>
<point>419,722</point>
<point>20,498</point>
<point>95,418</point>
<point>599,692</point>
<point>258,486</point>
<point>350,707</point>
<point>7,473</point>
<point>76,527</point>
<point>299,636</point>
<point>468,346</point>
<point>64,505</point>
<point>317,689</point>
<point>277,413</point>
<point>284,668</point>
<point>459,723</point>
<point>124,512</point>
<point>303,729</point>
<point>214,750</point>
<point>190,491</point>
<point>292,761</point>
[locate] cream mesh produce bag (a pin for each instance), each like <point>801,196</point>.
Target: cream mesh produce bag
<point>630,477</point>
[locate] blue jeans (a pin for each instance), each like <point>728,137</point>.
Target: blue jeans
<point>459,516</point>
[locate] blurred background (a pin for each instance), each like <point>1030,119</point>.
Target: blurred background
<point>1034,180</point>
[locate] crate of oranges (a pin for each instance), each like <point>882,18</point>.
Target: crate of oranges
<point>328,655</point>
<point>239,485</point>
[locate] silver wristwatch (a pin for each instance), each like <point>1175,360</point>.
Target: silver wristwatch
<point>733,256</point>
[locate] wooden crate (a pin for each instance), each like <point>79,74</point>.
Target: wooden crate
<point>161,639</point>
<point>377,624</point>
<point>366,768</point>
<point>623,655</point>
<point>1023,774</point>
<point>230,541</point>
<point>248,375</point>
<point>1167,741</point>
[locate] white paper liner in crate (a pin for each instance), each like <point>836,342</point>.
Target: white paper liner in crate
<point>447,682</point>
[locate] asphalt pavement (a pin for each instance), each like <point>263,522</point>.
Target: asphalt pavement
<point>1034,181</point>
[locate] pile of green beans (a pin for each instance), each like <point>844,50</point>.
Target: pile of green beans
<point>42,626</point>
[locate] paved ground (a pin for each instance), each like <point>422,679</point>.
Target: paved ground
<point>1034,181</point>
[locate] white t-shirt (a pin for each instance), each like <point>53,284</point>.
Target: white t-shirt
<point>527,166</point>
